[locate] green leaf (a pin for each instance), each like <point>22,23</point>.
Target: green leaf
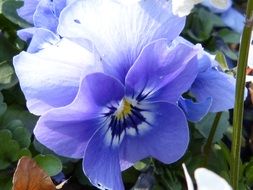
<point>3,106</point>
<point>200,24</point>
<point>143,164</point>
<point>5,180</point>
<point>229,36</point>
<point>6,72</point>
<point>22,136</point>
<point>49,163</point>
<point>19,113</point>
<point>9,149</point>
<point>249,173</point>
<point>220,58</point>
<point>9,8</point>
<point>24,152</point>
<point>205,125</point>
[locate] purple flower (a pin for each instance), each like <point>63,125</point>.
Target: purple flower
<point>113,124</point>
<point>108,93</point>
<point>109,89</point>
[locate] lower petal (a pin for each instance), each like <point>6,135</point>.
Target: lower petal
<point>65,131</point>
<point>165,138</point>
<point>101,163</point>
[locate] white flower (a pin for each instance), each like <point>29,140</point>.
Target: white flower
<point>183,7</point>
<point>206,180</point>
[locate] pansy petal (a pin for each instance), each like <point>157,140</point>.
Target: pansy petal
<point>195,111</point>
<point>98,90</point>
<point>165,72</point>
<point>164,135</point>
<point>41,39</point>
<point>208,180</point>
<point>120,30</point>
<point>50,78</point>
<point>233,19</point>
<point>65,131</point>
<point>72,126</point>
<point>217,85</point>
<point>101,163</point>
<point>46,14</point>
<point>26,34</point>
<point>27,10</point>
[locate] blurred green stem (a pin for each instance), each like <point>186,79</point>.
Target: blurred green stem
<point>208,145</point>
<point>239,96</point>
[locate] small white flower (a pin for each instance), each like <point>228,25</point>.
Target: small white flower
<point>206,180</point>
<point>183,7</point>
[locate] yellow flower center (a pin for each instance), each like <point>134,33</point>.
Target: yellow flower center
<point>123,109</point>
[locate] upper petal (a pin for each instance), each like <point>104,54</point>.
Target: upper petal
<point>47,13</point>
<point>164,72</point>
<point>120,30</point>
<point>27,11</point>
<point>50,77</point>
<point>41,38</point>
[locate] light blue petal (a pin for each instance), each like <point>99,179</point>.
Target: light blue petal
<point>217,85</point>
<point>50,77</point>
<point>195,111</point>
<point>164,72</point>
<point>120,30</point>
<point>101,164</point>
<point>165,136</point>
<point>46,15</point>
<point>233,19</point>
<point>67,130</point>
<point>41,39</point>
<point>27,10</point>
<point>26,34</point>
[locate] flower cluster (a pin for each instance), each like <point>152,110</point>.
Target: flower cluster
<point>108,83</point>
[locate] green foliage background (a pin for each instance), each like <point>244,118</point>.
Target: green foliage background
<point>16,123</point>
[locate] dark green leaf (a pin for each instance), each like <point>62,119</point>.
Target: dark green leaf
<point>49,163</point>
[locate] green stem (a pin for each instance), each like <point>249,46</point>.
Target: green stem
<point>239,96</point>
<point>208,145</point>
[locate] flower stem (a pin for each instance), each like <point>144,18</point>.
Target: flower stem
<point>239,96</point>
<point>208,145</point>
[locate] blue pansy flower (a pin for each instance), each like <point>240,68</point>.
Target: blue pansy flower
<point>108,92</point>
<point>110,89</point>
<point>113,124</point>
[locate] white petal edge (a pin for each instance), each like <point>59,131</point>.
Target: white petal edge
<point>208,180</point>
